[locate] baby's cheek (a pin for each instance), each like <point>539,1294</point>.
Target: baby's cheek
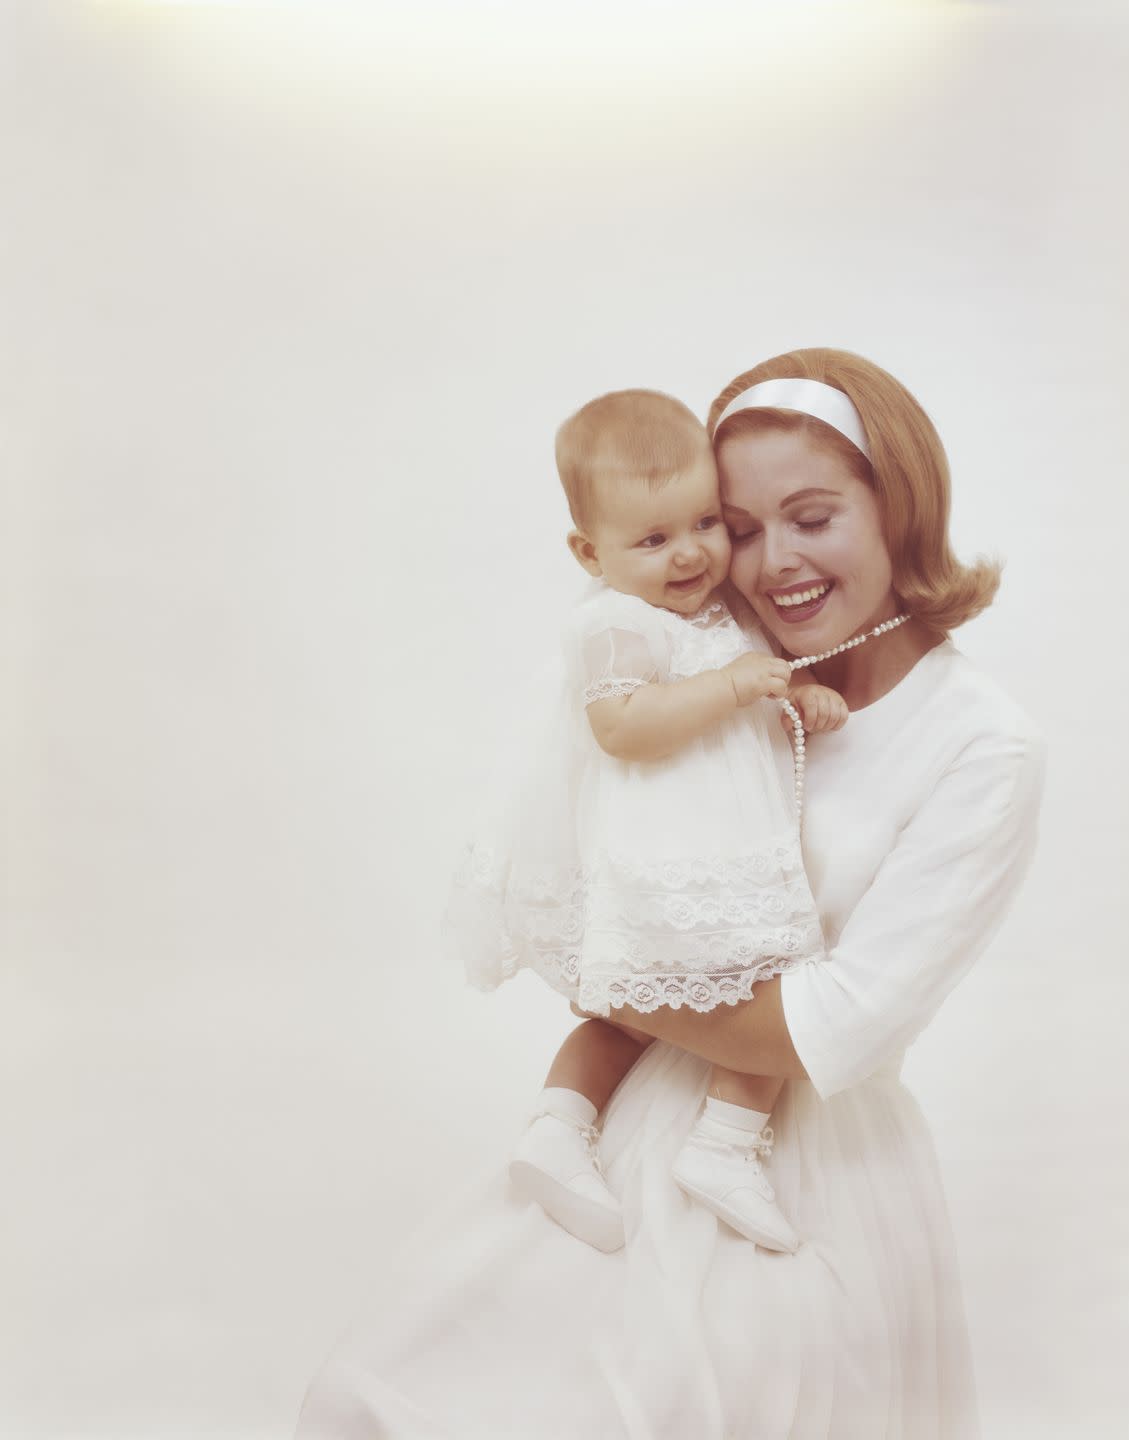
<point>720,549</point>
<point>742,571</point>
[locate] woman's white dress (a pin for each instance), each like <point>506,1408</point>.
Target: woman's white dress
<point>668,882</point>
<point>920,819</point>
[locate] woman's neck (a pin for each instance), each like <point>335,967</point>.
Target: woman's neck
<point>866,673</point>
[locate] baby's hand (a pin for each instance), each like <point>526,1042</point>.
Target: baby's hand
<point>757,677</point>
<point>819,707</point>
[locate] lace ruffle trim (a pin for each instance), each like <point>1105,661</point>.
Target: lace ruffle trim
<point>707,618</point>
<point>646,993</point>
<point>623,933</point>
<point>776,863</point>
<point>615,685</point>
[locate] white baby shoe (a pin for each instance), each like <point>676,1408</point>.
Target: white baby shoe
<point>721,1168</point>
<point>556,1162</point>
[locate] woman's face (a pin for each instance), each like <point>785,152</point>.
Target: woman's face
<point>808,551</point>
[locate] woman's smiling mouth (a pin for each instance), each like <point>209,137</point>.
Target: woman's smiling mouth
<point>800,602</point>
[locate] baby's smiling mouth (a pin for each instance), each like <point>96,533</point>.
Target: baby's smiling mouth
<point>690,584</point>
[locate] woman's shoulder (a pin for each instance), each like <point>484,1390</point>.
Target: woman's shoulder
<point>946,714</point>
<point>977,723</point>
<point>974,702</point>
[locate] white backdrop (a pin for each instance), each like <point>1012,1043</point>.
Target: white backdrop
<point>293,296</point>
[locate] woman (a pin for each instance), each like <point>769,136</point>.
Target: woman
<point>919,821</point>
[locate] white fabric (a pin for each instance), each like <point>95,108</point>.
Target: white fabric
<point>555,1098</point>
<point>921,816</point>
<point>673,882</point>
<point>741,1117</point>
<point>809,397</point>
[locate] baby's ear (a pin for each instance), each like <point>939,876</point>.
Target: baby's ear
<point>585,551</point>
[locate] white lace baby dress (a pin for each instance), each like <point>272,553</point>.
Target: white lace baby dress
<point>641,883</point>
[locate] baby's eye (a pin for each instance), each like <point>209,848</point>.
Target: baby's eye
<point>653,542</point>
<point>707,522</point>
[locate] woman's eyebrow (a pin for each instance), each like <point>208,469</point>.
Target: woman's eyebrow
<point>805,494</point>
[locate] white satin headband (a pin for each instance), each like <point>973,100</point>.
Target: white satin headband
<point>808,397</point>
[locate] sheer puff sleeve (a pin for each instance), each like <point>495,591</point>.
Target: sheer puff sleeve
<point>615,644</point>
<point>935,903</point>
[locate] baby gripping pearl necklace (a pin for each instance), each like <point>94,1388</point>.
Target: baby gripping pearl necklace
<point>794,715</point>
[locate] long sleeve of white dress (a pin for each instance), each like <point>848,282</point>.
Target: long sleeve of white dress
<point>935,902</point>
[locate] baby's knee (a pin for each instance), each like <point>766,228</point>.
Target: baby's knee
<point>617,1039</point>
<point>640,1039</point>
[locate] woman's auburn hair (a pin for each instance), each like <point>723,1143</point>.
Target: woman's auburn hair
<point>908,471</point>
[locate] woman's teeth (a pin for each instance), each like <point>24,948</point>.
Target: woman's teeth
<point>801,597</point>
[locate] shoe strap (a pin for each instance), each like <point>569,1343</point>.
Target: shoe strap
<point>756,1147</point>
<point>590,1134</point>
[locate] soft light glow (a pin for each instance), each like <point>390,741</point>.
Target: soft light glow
<point>806,53</point>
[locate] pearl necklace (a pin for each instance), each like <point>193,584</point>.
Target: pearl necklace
<point>794,715</point>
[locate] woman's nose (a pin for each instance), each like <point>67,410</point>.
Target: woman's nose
<point>779,556</point>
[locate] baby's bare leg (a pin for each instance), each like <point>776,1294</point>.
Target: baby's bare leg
<point>594,1059</point>
<point>754,1092</point>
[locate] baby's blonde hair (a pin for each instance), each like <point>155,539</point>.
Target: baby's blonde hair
<point>625,435</point>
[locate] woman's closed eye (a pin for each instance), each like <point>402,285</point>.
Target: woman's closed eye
<point>809,525</point>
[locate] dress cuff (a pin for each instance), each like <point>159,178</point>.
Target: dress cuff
<point>807,1003</point>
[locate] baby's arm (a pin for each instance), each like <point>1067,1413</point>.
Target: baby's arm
<point>656,720</point>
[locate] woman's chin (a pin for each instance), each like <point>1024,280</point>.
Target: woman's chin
<point>809,637</point>
<point>828,626</point>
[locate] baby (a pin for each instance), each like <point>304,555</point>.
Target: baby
<point>644,848</point>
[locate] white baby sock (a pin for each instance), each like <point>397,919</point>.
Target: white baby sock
<point>570,1103</point>
<point>736,1117</point>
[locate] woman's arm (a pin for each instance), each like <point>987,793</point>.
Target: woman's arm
<point>936,901</point>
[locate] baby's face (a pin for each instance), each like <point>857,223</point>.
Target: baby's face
<point>668,546</point>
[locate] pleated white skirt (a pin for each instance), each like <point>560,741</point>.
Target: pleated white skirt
<point>509,1327</point>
